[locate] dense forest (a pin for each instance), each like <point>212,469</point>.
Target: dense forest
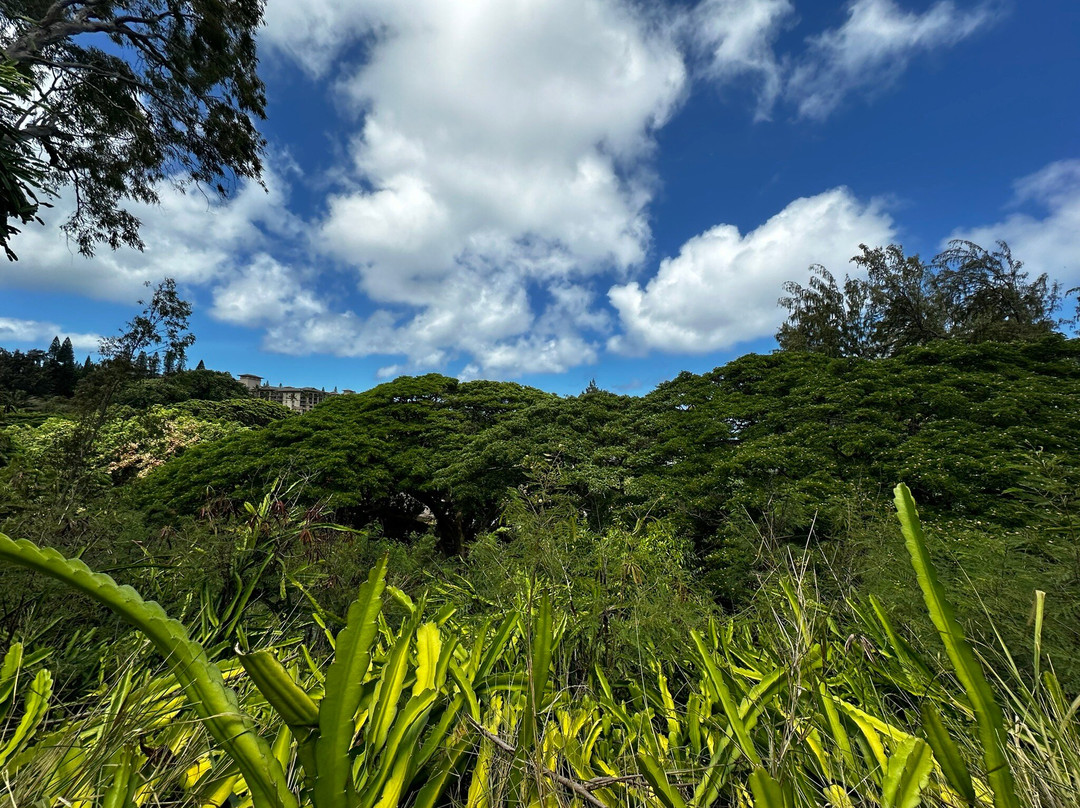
<point>438,592</point>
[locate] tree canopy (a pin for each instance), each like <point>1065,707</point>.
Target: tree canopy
<point>173,95</point>
<point>966,293</point>
<point>161,327</point>
<point>776,439</point>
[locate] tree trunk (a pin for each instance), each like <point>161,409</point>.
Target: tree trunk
<point>449,527</point>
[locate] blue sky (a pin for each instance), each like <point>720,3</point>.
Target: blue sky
<point>556,190</point>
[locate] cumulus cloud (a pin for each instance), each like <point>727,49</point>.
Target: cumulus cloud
<point>313,34</point>
<point>500,161</point>
<point>493,323</point>
<point>722,287</point>
<point>189,237</point>
<point>873,47</point>
<point>1050,241</point>
<point>40,333</point>
<point>264,292</point>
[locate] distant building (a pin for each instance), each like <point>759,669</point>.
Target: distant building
<point>300,399</point>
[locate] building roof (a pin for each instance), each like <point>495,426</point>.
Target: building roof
<point>283,389</point>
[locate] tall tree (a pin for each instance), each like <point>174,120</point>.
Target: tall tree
<point>169,92</point>
<point>141,366</point>
<point>162,326</point>
<point>62,367</point>
<point>21,171</point>
<point>12,400</point>
<point>824,318</point>
<point>906,301</point>
<point>966,293</point>
<point>988,295</point>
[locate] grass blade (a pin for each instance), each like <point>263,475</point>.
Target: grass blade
<point>9,670</point>
<point>1040,609</point>
<point>539,667</point>
<point>657,779</point>
<point>37,702</point>
<point>947,754</point>
<point>214,703</point>
<point>767,792</point>
<point>288,699</point>
<point>428,646</point>
<point>727,700</point>
<point>988,716</point>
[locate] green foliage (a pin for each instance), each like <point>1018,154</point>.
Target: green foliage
<point>30,377</point>
<point>792,448</point>
<point>966,293</point>
<point>797,704</point>
<point>629,588</point>
<point>823,318</point>
<point>200,385</point>
<point>992,730</point>
<point>130,443</point>
<point>378,456</point>
<point>541,621</point>
<point>21,171</point>
<point>163,323</point>
<point>175,96</point>
<point>249,412</point>
<point>987,294</point>
<point>948,754</point>
<point>792,441</point>
<point>200,680</point>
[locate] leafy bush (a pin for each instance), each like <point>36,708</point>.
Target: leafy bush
<point>202,385</point>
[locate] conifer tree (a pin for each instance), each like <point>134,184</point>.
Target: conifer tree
<point>64,371</point>
<point>142,365</point>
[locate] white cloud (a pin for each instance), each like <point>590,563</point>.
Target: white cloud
<point>189,237</point>
<point>1055,185</point>
<point>491,124</point>
<point>264,292</point>
<point>493,323</point>
<point>737,38</point>
<point>499,172</point>
<point>501,160</point>
<point>41,334</point>
<point>1048,243</point>
<point>735,42</point>
<point>313,33</point>
<point>873,47</point>
<point>723,286</point>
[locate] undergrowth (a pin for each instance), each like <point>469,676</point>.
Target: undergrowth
<point>600,681</point>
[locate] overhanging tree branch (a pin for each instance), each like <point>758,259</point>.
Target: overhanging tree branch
<point>180,101</point>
